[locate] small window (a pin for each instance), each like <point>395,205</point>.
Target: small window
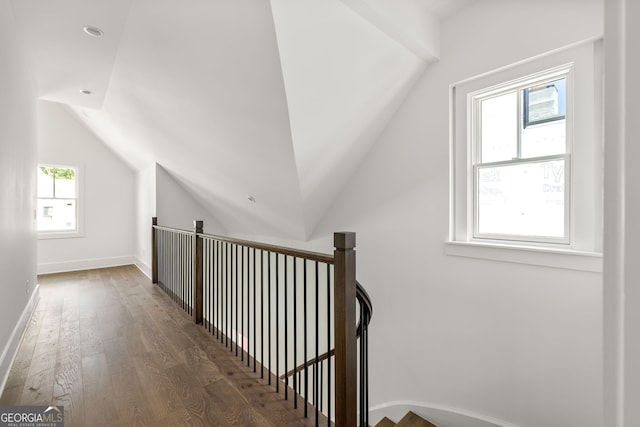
<point>57,206</point>
<point>521,159</point>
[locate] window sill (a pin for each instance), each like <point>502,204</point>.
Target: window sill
<point>46,235</point>
<point>546,257</point>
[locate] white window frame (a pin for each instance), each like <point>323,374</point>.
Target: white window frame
<point>79,230</point>
<point>583,246</point>
<point>474,146</point>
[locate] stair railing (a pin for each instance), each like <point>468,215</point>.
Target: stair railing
<point>365,310</point>
<point>280,309</point>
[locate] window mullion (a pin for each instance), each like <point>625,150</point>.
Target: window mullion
<point>525,160</point>
<point>518,127</point>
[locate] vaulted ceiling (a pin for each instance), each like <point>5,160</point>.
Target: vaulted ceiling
<point>278,100</point>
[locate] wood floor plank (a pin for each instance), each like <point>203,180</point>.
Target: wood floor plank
<point>68,390</point>
<point>235,409</point>
<point>99,407</point>
<point>117,354</point>
<point>162,397</point>
<point>130,400</point>
<point>196,358</point>
<point>69,343</point>
<point>38,389</point>
<point>200,409</point>
<point>91,341</point>
<point>20,369</point>
<point>95,370</point>
<point>156,342</point>
<point>176,336</point>
<point>11,396</point>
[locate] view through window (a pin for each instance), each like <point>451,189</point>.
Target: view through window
<point>521,161</point>
<point>57,206</point>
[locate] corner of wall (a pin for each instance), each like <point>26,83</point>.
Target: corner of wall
<point>143,267</point>
<point>145,209</point>
<point>11,348</point>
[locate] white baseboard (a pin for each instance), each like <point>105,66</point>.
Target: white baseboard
<point>11,348</point>
<point>142,266</point>
<point>84,264</point>
<point>440,415</point>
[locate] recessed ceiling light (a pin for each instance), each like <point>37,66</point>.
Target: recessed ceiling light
<point>86,92</point>
<point>93,31</point>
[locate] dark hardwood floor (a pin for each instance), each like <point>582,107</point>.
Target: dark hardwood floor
<point>114,350</point>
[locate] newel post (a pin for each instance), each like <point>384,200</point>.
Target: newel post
<point>154,250</point>
<point>345,329</point>
<point>197,272</point>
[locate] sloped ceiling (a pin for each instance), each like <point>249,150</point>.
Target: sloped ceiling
<point>280,101</point>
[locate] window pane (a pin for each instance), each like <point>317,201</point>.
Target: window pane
<point>544,102</point>
<point>523,199</point>
<point>45,182</point>
<point>545,139</point>
<point>499,128</point>
<point>65,183</point>
<point>544,122</point>
<point>56,215</point>
<point>65,188</point>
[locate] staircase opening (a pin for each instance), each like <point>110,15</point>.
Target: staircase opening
<point>298,319</point>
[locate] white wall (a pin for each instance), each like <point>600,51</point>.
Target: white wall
<point>17,192</point>
<point>177,208</point>
<point>109,191</point>
<point>145,210</point>
<point>159,194</point>
<point>508,343</point>
<point>622,208</point>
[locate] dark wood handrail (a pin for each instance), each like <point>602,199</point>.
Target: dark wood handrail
<point>309,363</point>
<point>174,230</point>
<point>365,304</point>
<point>299,253</point>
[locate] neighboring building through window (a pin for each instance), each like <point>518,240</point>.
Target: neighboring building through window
<point>57,206</point>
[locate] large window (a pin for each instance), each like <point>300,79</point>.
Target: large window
<point>57,208</point>
<point>526,159</point>
<point>521,160</point>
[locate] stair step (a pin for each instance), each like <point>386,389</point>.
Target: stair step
<point>413,420</point>
<point>385,422</point>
